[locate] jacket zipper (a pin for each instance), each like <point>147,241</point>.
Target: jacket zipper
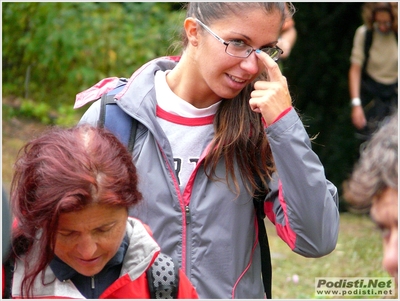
<point>188,218</point>
<point>92,281</point>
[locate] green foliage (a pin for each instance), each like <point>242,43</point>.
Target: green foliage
<point>67,116</point>
<point>51,51</point>
<point>40,111</point>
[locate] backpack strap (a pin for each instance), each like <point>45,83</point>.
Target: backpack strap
<point>116,120</point>
<point>8,268</point>
<point>367,46</point>
<point>266,266</point>
<point>163,278</point>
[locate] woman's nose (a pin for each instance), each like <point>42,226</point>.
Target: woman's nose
<point>251,64</point>
<point>86,247</point>
<point>390,259</point>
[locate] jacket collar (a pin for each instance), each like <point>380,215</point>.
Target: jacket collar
<point>141,253</point>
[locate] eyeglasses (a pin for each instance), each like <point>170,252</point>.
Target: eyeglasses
<point>386,24</point>
<point>238,48</point>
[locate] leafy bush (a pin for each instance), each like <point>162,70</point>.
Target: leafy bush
<point>51,51</point>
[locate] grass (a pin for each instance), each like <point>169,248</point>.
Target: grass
<point>358,254</point>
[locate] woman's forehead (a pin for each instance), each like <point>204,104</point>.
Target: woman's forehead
<point>385,206</point>
<point>92,216</point>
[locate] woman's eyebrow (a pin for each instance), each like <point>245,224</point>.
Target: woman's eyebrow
<point>107,225</point>
<point>241,34</point>
<point>97,227</point>
<point>249,40</point>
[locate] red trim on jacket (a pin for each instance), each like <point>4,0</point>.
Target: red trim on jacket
<point>125,288</point>
<point>250,260</point>
<point>269,212</point>
<point>285,232</point>
<point>182,205</point>
<point>283,113</point>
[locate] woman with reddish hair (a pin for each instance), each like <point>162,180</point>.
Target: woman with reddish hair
<point>72,237</point>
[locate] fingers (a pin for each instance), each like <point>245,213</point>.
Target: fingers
<point>270,98</point>
<point>271,66</point>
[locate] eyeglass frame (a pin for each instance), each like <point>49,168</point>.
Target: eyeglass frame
<point>227,43</point>
<point>384,23</point>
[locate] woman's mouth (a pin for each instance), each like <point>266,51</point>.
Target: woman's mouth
<point>88,261</point>
<point>236,83</point>
<point>236,79</point>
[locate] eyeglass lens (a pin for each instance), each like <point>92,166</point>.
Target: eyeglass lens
<point>243,50</point>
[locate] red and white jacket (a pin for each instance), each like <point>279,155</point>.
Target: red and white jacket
<point>132,283</point>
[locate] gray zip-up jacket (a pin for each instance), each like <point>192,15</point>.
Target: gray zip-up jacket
<point>210,230</point>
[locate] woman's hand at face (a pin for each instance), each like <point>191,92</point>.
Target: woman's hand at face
<point>270,98</point>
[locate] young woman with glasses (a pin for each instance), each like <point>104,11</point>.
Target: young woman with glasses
<point>212,121</point>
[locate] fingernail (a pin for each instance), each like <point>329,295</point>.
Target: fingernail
<point>258,51</point>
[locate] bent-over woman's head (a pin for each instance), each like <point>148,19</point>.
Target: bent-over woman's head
<point>65,171</point>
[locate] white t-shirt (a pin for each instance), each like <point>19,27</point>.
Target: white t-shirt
<point>185,126</point>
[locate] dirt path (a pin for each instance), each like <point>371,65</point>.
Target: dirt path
<point>15,133</point>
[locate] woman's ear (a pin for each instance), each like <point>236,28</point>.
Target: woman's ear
<point>191,29</point>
